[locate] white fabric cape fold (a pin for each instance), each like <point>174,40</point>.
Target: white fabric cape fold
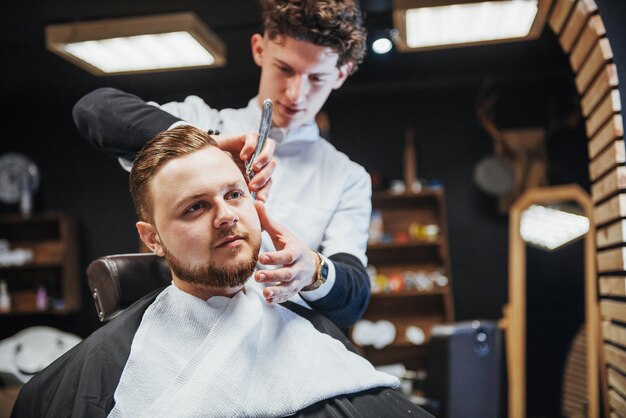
<point>234,357</point>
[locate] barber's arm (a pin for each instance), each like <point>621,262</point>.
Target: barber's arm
<point>120,124</point>
<point>349,295</point>
<point>345,295</point>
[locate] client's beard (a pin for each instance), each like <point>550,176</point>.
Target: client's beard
<point>209,275</point>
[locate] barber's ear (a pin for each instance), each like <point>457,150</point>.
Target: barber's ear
<point>344,72</point>
<point>150,237</point>
<point>257,43</point>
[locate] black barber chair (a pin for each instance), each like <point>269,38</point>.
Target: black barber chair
<point>117,281</point>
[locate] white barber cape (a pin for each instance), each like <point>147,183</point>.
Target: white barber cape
<point>233,357</point>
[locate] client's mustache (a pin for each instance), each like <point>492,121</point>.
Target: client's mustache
<point>235,230</point>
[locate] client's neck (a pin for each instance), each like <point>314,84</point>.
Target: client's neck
<point>205,292</point>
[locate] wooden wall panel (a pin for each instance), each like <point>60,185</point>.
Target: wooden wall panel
<point>612,286</point>
<point>612,260</point>
<point>618,403</point>
<point>575,23</point>
<point>613,182</point>
<point>615,356</point>
<point>604,81</point>
<point>559,14</point>
<point>608,159</point>
<point>600,54</point>
<point>611,234</point>
<point>617,380</point>
<point>610,105</point>
<point>593,30</point>
<point>613,310</point>
<point>612,130</point>
<point>614,333</point>
<point>610,210</point>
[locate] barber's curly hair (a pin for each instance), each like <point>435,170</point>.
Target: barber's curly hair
<point>338,24</point>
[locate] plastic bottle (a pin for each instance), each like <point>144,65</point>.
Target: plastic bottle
<point>5,298</point>
<point>42,299</point>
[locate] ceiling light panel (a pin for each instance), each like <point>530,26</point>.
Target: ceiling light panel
<point>427,24</point>
<point>142,44</point>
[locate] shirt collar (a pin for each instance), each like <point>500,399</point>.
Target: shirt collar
<point>304,133</point>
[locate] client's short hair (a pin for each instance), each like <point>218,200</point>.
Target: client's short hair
<point>165,146</point>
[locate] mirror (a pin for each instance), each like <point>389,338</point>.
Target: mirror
<point>535,205</point>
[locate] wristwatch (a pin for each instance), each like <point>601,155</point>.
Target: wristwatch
<point>321,275</point>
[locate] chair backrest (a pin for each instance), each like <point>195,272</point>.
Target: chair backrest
<point>116,281</point>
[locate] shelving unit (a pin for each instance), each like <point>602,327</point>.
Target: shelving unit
<point>51,237</point>
<point>401,256</point>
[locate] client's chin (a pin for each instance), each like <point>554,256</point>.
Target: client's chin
<point>234,273</point>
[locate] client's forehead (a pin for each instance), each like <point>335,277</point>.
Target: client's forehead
<point>208,170</point>
<point>203,161</point>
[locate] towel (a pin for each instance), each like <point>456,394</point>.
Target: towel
<point>234,357</point>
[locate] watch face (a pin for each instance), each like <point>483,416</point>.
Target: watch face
<point>324,271</point>
<point>17,172</point>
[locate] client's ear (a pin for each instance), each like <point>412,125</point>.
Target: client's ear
<point>150,237</point>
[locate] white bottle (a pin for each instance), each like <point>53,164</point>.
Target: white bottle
<point>5,299</point>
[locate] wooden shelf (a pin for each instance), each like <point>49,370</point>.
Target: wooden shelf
<point>397,245</point>
<point>30,266</point>
<point>51,238</point>
<point>34,312</point>
<point>409,261</point>
<point>384,197</point>
<point>412,293</point>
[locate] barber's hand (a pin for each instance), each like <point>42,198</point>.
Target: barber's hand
<point>299,263</point>
<point>263,166</point>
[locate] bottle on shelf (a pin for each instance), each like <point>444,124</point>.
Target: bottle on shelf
<point>43,252</point>
<point>42,298</point>
<point>5,297</point>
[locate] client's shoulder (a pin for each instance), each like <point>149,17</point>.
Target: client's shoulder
<point>320,323</point>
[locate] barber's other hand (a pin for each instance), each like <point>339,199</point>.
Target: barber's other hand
<point>299,263</point>
<point>263,166</point>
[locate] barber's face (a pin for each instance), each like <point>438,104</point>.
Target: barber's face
<point>297,76</point>
<point>205,222</point>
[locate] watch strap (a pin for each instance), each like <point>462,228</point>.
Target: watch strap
<point>321,274</point>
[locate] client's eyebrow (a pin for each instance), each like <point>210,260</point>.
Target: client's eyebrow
<point>185,200</point>
<point>237,184</point>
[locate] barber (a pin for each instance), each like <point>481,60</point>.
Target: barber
<point>307,50</point>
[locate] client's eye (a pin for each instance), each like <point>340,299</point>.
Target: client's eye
<point>236,194</point>
<point>195,207</point>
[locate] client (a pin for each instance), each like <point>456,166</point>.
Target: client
<point>208,345</point>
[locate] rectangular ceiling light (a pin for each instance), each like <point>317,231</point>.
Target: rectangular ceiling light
<point>551,228</point>
<point>138,44</point>
<point>429,24</point>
